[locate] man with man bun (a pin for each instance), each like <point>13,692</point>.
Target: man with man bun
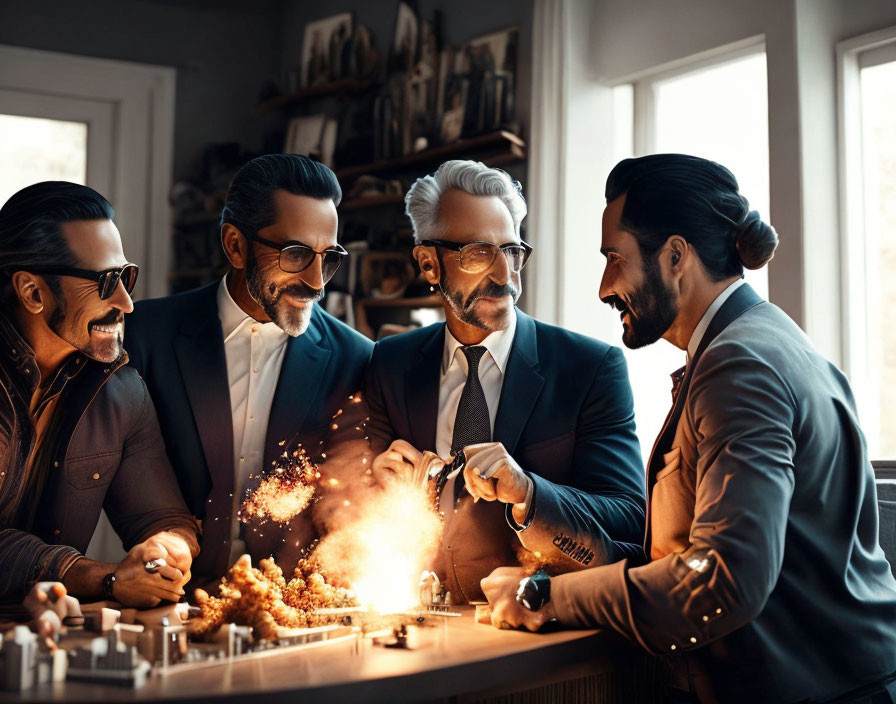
<point>766,581</point>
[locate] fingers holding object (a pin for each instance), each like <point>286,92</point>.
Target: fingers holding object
<point>478,487</point>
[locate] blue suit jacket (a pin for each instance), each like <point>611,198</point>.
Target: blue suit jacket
<point>565,415</point>
<point>177,345</point>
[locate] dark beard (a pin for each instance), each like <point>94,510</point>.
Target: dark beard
<point>268,296</point>
<point>651,309</point>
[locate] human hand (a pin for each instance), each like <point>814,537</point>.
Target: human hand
<point>50,605</point>
<point>396,463</point>
<point>136,587</point>
<point>492,474</point>
<point>500,588</point>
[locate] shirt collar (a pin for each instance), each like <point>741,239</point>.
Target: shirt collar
<point>710,313</point>
<point>497,343</point>
<point>233,318</point>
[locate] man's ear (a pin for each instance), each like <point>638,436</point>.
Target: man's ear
<point>30,290</point>
<point>428,263</point>
<point>678,250</point>
<point>236,247</point>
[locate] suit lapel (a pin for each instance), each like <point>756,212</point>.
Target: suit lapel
<point>422,390</point>
<point>304,368</point>
<point>737,304</point>
<point>522,384</point>
<point>199,348</point>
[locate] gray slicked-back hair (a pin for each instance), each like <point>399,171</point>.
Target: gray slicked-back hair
<point>422,203</point>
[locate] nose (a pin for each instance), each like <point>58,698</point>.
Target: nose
<point>500,270</point>
<point>606,285</point>
<point>121,299</point>
<point>313,276</point>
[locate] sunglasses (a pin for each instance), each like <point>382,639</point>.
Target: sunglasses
<point>106,280</point>
<point>476,257</point>
<point>295,258</point>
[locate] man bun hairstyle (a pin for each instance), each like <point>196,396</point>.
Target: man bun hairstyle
<point>423,200</point>
<point>31,228</point>
<point>249,205</point>
<point>698,199</point>
<point>755,241</point>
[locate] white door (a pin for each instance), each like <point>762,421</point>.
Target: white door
<point>105,124</point>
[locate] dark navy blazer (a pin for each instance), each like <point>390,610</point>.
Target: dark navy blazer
<point>177,345</point>
<point>566,416</point>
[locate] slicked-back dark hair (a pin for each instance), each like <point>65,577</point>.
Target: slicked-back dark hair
<point>30,227</point>
<point>698,199</point>
<point>249,205</point>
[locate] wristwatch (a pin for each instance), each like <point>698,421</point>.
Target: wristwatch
<point>108,584</point>
<point>535,591</point>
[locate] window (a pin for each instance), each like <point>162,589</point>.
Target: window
<point>716,109</point>
<point>868,95</point>
<point>35,149</point>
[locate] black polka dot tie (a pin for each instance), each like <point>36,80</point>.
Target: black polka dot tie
<point>471,424</point>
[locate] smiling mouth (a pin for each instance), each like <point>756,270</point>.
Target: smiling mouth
<point>107,329</point>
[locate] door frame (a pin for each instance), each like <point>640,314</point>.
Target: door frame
<point>142,96</point>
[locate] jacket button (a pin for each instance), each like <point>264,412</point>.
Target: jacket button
<point>56,463</point>
<point>693,640</point>
<point>706,618</point>
<point>96,475</point>
<point>57,532</point>
<point>673,647</point>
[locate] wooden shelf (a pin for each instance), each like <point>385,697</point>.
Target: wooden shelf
<point>433,301</point>
<point>493,149</point>
<point>340,88</point>
<point>371,202</point>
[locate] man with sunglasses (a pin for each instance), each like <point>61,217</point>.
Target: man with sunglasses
<point>249,366</point>
<point>540,418</point>
<point>78,431</point>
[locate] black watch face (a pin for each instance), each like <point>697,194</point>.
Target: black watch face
<point>528,595</point>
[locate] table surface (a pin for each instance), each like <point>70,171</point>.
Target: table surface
<point>458,656</point>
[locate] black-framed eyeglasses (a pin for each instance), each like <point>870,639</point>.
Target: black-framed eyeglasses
<point>476,257</point>
<point>295,258</point>
<point>106,280</point>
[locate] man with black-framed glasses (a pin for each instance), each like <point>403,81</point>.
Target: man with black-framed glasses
<point>240,366</point>
<point>78,431</point>
<point>541,418</point>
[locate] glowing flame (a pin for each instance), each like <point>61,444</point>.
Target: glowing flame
<point>285,492</point>
<point>382,552</point>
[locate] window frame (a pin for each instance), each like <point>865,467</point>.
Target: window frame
<point>853,55</point>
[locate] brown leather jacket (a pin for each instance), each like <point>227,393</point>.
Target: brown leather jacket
<point>102,450</point>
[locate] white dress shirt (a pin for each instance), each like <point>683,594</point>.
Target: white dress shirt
<point>254,353</point>
<point>710,313</point>
<point>453,377</point>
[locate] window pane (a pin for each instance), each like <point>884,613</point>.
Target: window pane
<point>34,149</point>
<point>878,90</point>
<point>721,113</point>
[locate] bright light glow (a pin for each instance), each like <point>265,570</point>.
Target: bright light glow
<point>382,552</point>
<point>35,149</point>
<point>878,90</point>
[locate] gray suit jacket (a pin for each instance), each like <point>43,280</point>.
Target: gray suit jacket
<point>767,581</point>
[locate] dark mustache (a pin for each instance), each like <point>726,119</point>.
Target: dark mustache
<point>111,318</point>
<point>303,291</point>
<point>615,302</point>
<point>491,290</point>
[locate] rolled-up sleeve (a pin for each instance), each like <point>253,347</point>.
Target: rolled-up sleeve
<point>144,498</point>
<point>742,413</point>
<point>26,559</point>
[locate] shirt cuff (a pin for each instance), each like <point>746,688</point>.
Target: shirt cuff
<point>530,510</point>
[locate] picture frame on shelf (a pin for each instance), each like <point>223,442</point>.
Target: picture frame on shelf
<point>406,41</point>
<point>313,136</point>
<point>490,64</point>
<point>326,49</point>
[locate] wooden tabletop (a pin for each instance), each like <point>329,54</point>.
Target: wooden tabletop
<point>457,657</point>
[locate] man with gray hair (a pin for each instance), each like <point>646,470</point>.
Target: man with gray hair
<point>541,418</point>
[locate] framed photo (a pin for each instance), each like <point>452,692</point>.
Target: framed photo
<point>305,135</point>
<point>407,37</point>
<point>490,64</point>
<point>326,49</point>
